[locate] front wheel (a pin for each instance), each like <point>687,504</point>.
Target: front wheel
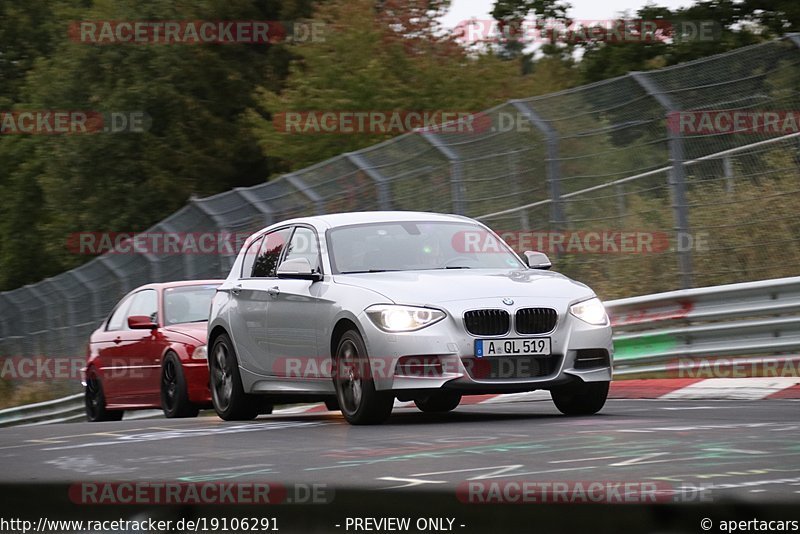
<point>227,393</point>
<point>360,402</point>
<point>580,398</point>
<point>174,391</point>
<point>95,402</point>
<point>439,402</point>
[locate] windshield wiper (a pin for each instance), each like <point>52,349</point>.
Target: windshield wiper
<point>457,267</point>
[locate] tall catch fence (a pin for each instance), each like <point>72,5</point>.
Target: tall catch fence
<point>581,171</point>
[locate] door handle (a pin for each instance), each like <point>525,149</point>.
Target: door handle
<point>117,340</point>
<point>236,289</point>
<point>274,291</point>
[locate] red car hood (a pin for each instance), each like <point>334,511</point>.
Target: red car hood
<point>198,331</point>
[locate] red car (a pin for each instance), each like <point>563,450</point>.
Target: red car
<point>151,352</point>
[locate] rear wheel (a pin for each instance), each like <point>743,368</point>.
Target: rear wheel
<point>359,401</point>
<point>95,401</point>
<point>227,393</point>
<point>174,392</point>
<point>438,402</point>
<point>580,398</point>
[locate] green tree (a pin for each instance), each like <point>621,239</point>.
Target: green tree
<point>393,57</point>
<point>196,143</point>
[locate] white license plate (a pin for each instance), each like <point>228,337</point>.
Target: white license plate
<point>539,346</point>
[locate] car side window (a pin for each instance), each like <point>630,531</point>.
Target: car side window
<point>304,244</point>
<point>250,258</point>
<point>266,263</point>
<point>117,320</point>
<point>145,302</point>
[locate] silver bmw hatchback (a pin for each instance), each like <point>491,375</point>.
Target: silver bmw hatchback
<point>360,309</point>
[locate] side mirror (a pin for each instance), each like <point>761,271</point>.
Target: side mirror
<point>141,322</point>
<point>537,260</point>
<point>298,269</point>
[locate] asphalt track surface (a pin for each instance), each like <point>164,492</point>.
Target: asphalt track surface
<point>746,451</point>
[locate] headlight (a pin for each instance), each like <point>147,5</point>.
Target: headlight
<point>592,311</point>
<point>393,318</point>
<point>200,353</point>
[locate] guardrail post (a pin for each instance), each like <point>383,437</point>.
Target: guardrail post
<point>553,170</point>
<point>381,181</point>
<point>677,175</point>
<point>456,171</point>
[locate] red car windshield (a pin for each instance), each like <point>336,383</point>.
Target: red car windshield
<point>187,304</point>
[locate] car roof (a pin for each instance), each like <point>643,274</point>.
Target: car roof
<point>334,220</point>
<point>179,283</point>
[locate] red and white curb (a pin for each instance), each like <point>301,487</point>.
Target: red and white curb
<point>751,388</point>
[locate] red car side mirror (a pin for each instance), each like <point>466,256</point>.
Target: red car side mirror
<point>141,322</point>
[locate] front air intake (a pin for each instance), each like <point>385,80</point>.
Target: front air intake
<point>486,322</point>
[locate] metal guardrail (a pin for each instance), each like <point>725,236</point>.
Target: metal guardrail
<point>757,321</point>
<point>61,410</point>
<point>753,323</point>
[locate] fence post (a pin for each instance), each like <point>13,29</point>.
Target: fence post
<point>7,348</point>
<point>123,280</point>
<point>677,176</point>
<point>622,204</point>
<point>456,171</point>
<point>225,266</point>
<point>727,165</point>
<point>524,220</point>
<point>68,333</point>
<point>97,306</point>
<point>306,190</point>
<point>42,336</point>
<point>381,182</point>
<point>557,218</point>
<point>261,206</point>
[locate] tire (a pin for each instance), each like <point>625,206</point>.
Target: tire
<point>332,405</point>
<point>580,398</point>
<point>95,402</point>
<point>230,401</point>
<point>439,402</point>
<point>174,391</point>
<point>359,401</point>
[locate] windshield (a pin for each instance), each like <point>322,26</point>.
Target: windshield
<point>412,246</point>
<point>188,304</point>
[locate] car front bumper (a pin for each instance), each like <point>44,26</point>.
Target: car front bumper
<point>462,370</point>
